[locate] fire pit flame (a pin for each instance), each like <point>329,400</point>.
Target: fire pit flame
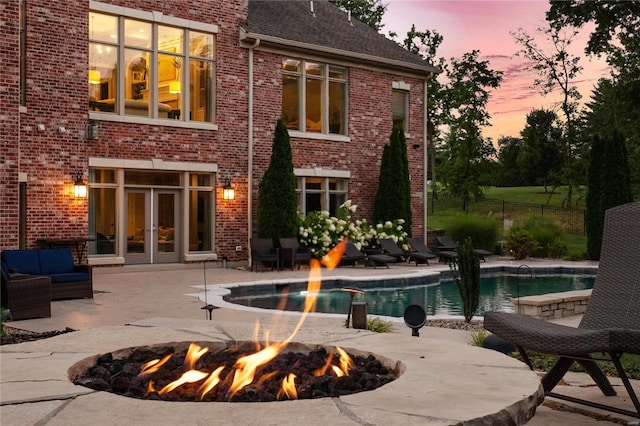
<point>246,366</point>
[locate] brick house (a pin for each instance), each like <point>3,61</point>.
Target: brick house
<point>159,106</point>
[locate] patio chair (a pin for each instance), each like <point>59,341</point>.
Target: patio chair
<point>447,244</point>
<point>25,296</point>
<point>291,252</point>
<point>263,252</point>
<point>389,246</point>
<point>610,324</point>
<point>352,254</point>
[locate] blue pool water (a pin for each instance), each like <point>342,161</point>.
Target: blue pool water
<point>438,299</point>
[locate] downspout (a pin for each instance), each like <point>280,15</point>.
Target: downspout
<point>250,154</point>
<point>425,158</point>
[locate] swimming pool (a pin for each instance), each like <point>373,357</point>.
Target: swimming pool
<point>439,298</point>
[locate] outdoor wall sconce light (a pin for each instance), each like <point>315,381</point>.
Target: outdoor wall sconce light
<point>228,193</point>
<point>79,187</point>
<point>91,130</point>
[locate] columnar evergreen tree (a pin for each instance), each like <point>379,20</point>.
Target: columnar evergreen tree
<point>615,173</point>
<point>595,215</point>
<point>609,186</point>
<point>393,199</point>
<point>277,200</point>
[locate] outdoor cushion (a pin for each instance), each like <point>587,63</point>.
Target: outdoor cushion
<point>22,261</point>
<point>69,277</point>
<point>56,261</point>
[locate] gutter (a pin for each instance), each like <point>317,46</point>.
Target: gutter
<point>250,152</point>
<point>362,57</point>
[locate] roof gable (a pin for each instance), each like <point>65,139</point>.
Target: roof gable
<point>326,29</point>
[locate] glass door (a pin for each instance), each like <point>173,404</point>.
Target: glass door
<point>138,226</point>
<point>152,226</point>
<point>166,221</point>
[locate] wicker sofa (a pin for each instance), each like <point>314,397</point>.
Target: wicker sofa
<point>68,281</point>
<point>25,296</point>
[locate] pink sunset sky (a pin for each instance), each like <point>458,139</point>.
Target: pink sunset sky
<point>485,26</point>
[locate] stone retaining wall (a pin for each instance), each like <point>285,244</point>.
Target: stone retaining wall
<point>553,305</point>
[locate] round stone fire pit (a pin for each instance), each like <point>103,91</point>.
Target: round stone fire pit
<point>223,372</point>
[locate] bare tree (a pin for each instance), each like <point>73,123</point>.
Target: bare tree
<point>556,69</point>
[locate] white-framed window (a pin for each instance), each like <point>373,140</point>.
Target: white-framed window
<point>400,104</point>
<point>155,68</point>
<point>321,193</point>
<point>314,97</point>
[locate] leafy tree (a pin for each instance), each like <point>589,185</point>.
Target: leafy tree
<point>595,215</point>
<point>556,69</point>
<point>509,172</point>
<point>369,12</point>
<point>615,32</point>
<point>464,172</point>
<point>393,198</point>
<point>277,200</point>
<point>542,151</point>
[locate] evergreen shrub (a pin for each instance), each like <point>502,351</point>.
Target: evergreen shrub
<point>483,231</point>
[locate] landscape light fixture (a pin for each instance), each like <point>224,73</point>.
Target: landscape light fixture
<point>79,187</point>
<point>228,193</point>
<point>352,290</point>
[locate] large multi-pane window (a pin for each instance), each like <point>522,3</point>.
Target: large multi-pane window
<point>144,68</point>
<point>314,97</point>
<point>321,193</point>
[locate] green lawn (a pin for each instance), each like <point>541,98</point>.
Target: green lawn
<point>444,208</point>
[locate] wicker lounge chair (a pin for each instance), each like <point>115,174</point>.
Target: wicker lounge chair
<point>390,247</point>
<point>448,245</point>
<point>611,322</point>
<point>291,252</point>
<point>263,252</point>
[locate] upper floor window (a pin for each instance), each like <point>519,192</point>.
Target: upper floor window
<point>400,108</point>
<point>145,68</point>
<point>314,97</point>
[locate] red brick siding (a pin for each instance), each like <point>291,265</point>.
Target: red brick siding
<point>57,68</point>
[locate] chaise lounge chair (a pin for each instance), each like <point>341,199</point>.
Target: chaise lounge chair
<point>390,247</point>
<point>447,244</point>
<point>352,256</point>
<point>611,322</point>
<point>421,248</point>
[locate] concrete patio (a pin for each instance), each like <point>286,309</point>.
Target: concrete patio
<point>446,380</point>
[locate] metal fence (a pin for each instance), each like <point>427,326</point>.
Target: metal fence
<point>570,220</point>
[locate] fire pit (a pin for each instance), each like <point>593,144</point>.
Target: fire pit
<point>237,372</point>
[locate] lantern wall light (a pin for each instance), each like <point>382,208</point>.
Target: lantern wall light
<point>228,193</point>
<point>79,187</point>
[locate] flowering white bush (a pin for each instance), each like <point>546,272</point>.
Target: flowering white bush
<point>320,231</point>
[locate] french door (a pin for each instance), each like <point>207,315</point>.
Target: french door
<point>152,225</point>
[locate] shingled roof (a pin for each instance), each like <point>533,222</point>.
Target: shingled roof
<point>326,31</point>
